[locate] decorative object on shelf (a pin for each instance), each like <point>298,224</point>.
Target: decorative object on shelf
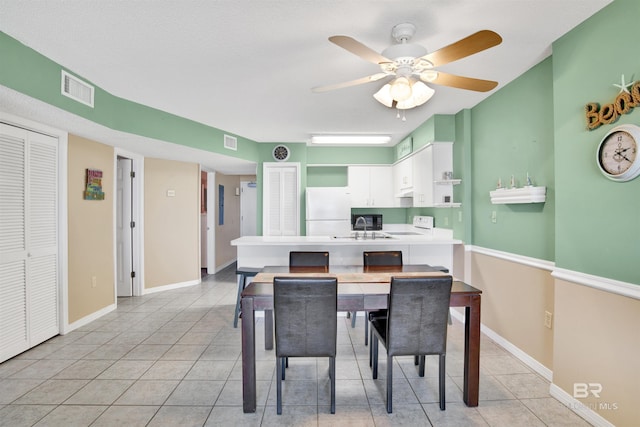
<point>499,186</point>
<point>529,182</point>
<point>624,103</point>
<point>527,194</point>
<point>447,176</point>
<point>513,182</point>
<point>617,154</point>
<point>281,153</point>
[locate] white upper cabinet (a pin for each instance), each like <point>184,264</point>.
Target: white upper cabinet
<point>371,186</point>
<point>403,176</point>
<point>430,186</point>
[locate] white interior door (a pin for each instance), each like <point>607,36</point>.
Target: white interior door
<point>124,238</point>
<point>248,208</point>
<point>211,219</point>
<point>281,199</point>
<point>29,285</point>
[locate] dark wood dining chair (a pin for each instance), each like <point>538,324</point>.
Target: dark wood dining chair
<point>306,324</point>
<point>416,325</point>
<point>305,261</point>
<point>376,259</point>
<point>311,259</point>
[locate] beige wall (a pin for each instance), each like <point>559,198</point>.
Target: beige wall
<point>514,300</point>
<point>90,230</point>
<point>171,223</point>
<point>597,340</point>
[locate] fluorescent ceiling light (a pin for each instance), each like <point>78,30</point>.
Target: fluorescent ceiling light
<point>350,139</point>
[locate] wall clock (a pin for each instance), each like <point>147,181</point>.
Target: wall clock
<point>617,154</point>
<point>281,153</point>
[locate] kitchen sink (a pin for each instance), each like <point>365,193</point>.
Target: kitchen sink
<point>403,233</point>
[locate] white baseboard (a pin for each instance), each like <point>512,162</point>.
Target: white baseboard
<point>87,319</point>
<point>155,289</point>
<point>514,350</point>
<point>519,354</point>
<point>223,266</point>
<point>583,410</point>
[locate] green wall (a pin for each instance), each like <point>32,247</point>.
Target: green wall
<point>32,74</point>
<point>597,220</point>
<point>512,134</point>
<point>335,176</point>
<point>533,125</point>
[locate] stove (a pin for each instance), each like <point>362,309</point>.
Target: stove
<point>423,222</point>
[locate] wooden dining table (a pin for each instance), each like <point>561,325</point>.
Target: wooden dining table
<point>359,289</point>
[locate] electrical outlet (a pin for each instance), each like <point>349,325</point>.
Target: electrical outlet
<point>494,217</point>
<point>459,216</point>
<point>94,281</point>
<point>547,319</point>
<point>446,220</point>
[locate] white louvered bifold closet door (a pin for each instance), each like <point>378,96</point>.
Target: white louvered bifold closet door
<point>281,199</point>
<point>28,239</point>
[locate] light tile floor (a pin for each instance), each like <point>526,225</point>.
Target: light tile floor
<point>173,359</point>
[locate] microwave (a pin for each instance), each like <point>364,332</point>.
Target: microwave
<point>373,221</point>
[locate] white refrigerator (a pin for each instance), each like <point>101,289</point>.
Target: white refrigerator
<point>328,211</point>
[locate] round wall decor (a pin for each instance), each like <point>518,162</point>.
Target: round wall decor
<point>281,153</point>
<point>617,154</point>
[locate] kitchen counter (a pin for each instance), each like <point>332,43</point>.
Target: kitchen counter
<point>434,247</point>
<point>340,240</point>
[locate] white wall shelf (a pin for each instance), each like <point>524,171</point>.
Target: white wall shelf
<point>527,194</point>
<point>447,181</point>
<point>447,205</point>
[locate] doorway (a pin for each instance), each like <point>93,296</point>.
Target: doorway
<point>128,225</point>
<point>207,222</point>
<point>248,207</point>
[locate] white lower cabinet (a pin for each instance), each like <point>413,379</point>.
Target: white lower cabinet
<point>371,186</point>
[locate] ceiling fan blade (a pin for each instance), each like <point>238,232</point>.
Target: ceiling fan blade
<point>467,46</point>
<point>460,82</point>
<point>359,81</point>
<point>358,48</point>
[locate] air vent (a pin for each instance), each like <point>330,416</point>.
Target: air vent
<point>231,142</point>
<point>76,89</point>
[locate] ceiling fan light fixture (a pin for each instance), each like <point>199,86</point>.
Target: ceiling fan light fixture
<point>421,93</point>
<point>404,50</point>
<point>383,96</point>
<point>429,75</point>
<point>400,89</point>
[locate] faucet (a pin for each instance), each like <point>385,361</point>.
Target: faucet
<point>364,221</point>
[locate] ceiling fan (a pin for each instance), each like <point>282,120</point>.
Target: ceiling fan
<point>410,65</point>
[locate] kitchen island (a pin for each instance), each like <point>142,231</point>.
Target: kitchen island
<point>434,248</point>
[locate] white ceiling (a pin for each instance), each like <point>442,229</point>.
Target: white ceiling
<point>247,67</point>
